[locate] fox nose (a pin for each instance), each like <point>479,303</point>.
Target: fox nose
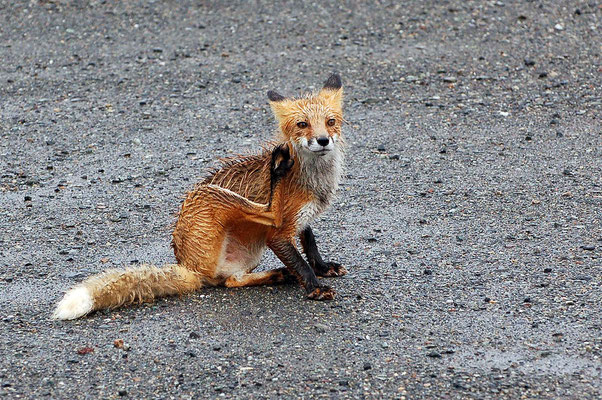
<point>323,140</point>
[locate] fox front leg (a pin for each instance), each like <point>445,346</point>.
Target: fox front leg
<point>286,251</point>
<point>320,267</point>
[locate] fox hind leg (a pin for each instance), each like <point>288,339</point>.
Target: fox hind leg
<point>281,162</point>
<point>205,218</point>
<point>271,277</point>
<point>248,209</point>
<point>280,165</point>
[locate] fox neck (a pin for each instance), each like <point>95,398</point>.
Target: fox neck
<point>321,174</point>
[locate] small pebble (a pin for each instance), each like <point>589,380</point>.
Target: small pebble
<point>370,100</point>
<point>529,62</point>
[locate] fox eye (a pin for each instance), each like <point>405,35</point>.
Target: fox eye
<point>302,124</point>
<point>331,122</point>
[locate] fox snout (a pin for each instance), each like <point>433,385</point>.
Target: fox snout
<point>323,141</point>
<point>320,144</point>
<point>316,136</point>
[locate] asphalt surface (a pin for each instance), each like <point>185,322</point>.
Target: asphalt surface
<point>470,217</point>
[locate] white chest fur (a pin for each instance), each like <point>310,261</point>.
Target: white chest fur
<point>308,213</point>
<point>321,176</point>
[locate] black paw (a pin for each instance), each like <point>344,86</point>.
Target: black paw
<point>287,277</point>
<point>321,293</point>
<point>331,269</point>
<point>281,162</point>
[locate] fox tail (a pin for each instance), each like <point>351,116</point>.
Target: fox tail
<point>117,287</point>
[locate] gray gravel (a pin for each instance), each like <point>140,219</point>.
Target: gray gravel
<point>470,216</point>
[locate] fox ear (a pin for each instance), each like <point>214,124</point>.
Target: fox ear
<point>273,96</point>
<point>333,90</point>
<point>278,104</point>
<point>333,82</point>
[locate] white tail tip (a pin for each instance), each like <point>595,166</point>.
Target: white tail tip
<point>75,303</point>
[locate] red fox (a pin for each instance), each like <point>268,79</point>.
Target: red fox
<point>249,204</point>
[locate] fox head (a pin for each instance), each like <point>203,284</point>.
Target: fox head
<point>312,123</point>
